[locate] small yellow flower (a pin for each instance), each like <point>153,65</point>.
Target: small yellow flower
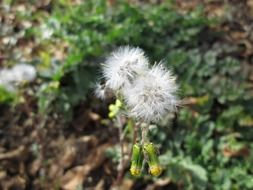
<point>114,108</point>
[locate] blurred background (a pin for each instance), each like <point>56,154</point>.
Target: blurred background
<point>54,134</point>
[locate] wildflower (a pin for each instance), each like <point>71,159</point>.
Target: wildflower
<point>152,95</point>
<point>146,94</point>
<point>123,66</point>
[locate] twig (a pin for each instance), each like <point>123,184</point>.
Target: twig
<point>121,141</point>
<point>136,127</point>
<point>123,163</point>
<point>144,133</point>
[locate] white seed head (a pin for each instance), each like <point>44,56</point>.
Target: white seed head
<point>123,66</point>
<point>152,95</point>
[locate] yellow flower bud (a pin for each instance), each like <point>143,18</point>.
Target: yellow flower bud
<point>155,170</point>
<point>111,114</point>
<point>154,167</point>
<point>136,160</point>
<point>118,103</point>
<point>111,107</point>
<point>135,170</point>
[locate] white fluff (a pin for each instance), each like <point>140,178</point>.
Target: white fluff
<point>149,93</point>
<point>9,78</point>
<point>152,95</point>
<point>123,66</point>
<point>24,72</point>
<point>102,91</point>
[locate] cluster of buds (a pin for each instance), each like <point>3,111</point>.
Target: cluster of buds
<point>148,151</point>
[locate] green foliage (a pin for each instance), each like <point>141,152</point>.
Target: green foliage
<point>6,97</point>
<point>185,171</point>
<point>207,74</point>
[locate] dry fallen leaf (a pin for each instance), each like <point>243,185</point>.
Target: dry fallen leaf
<point>16,182</point>
<point>76,176</point>
<point>100,185</point>
<point>228,152</point>
<point>18,152</point>
<point>126,184</point>
<point>73,178</point>
<point>158,183</point>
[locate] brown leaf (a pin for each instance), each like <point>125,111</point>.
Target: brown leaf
<point>158,183</point>
<point>250,4</point>
<point>73,178</point>
<point>126,184</point>
<point>100,185</point>
<point>76,176</point>
<point>35,166</point>
<point>228,152</point>
<point>16,182</point>
<point>68,156</point>
<point>13,154</point>
<point>3,174</point>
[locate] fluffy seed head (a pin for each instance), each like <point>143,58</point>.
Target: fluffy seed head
<point>123,66</point>
<point>152,95</point>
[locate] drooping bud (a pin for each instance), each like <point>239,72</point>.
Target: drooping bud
<point>154,167</point>
<point>136,160</point>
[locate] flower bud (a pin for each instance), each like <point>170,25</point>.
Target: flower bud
<point>114,108</point>
<point>154,167</point>
<point>136,160</point>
